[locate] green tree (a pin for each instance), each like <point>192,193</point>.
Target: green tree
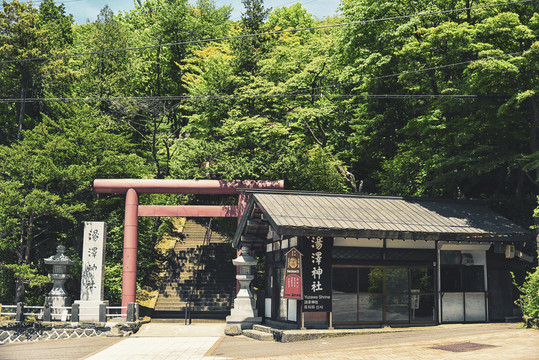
<point>440,147</point>
<point>20,38</point>
<point>528,301</point>
<point>45,185</point>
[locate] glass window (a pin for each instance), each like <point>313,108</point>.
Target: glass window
<point>344,280</point>
<point>371,308</point>
<point>371,280</point>
<point>393,294</point>
<point>473,278</point>
<point>450,279</point>
<point>397,280</point>
<point>450,257</point>
<point>422,279</point>
<point>344,307</point>
<point>422,307</point>
<point>397,308</point>
<point>462,278</point>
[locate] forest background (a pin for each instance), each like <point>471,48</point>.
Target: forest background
<point>402,98</point>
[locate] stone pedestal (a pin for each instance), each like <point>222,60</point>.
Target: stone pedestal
<point>89,311</point>
<point>93,268</point>
<point>244,314</point>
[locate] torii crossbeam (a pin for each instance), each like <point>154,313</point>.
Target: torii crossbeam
<point>133,187</point>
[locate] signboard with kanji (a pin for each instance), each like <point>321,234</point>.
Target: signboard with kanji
<point>317,270</point>
<point>293,288</point>
<point>93,261</point>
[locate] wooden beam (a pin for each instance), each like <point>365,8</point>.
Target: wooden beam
<point>188,210</point>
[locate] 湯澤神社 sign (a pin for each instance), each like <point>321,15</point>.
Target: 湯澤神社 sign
<point>317,270</point>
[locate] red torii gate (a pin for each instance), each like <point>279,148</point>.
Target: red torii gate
<point>133,187</point>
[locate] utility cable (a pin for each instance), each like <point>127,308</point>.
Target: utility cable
<point>265,33</point>
<point>250,97</point>
<point>289,95</point>
<point>42,1</point>
<point>408,72</point>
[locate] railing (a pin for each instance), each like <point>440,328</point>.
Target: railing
<point>196,274</point>
<point>47,312</point>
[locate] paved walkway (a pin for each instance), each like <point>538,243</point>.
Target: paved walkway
<point>471,341</point>
<point>166,341</point>
<point>204,342</point>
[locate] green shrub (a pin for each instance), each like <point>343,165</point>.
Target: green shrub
<point>529,299</point>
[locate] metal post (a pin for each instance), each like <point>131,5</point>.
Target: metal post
<point>20,312</point>
<point>75,310</point>
<point>47,312</point>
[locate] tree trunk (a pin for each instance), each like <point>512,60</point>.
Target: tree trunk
<point>19,292</point>
<point>24,256</point>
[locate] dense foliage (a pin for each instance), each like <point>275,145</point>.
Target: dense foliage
<point>375,107</point>
<point>528,301</point>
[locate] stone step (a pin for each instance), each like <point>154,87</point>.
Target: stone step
<point>204,283</point>
<point>195,249</point>
<point>181,304</point>
<point>199,297</point>
<point>179,319</point>
<point>262,328</point>
<point>204,266</point>
<point>258,335</point>
<point>199,291</point>
<point>174,314</point>
<point>193,308</point>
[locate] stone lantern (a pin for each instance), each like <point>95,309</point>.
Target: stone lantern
<point>244,314</point>
<point>58,296</point>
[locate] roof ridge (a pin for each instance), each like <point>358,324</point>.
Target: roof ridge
<point>357,195</point>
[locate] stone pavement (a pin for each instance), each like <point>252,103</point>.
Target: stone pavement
<point>66,349</point>
<point>469,341</point>
<point>203,342</point>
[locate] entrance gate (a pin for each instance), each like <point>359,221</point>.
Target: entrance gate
<point>133,187</point>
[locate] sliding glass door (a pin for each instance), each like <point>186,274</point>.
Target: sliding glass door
<point>383,294</point>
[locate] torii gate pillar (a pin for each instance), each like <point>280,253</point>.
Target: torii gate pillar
<point>133,187</point>
<point>129,278</point>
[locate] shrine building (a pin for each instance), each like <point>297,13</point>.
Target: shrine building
<point>335,260</point>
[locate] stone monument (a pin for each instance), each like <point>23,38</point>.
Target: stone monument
<point>58,297</point>
<point>93,267</point>
<point>244,314</point>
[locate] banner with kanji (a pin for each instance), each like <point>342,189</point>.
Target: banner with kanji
<point>293,288</point>
<point>317,273</point>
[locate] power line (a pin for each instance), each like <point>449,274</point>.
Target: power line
<point>265,33</point>
<point>42,1</point>
<point>288,95</point>
<point>410,72</point>
<point>247,97</point>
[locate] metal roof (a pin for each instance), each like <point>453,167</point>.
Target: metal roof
<point>307,214</point>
